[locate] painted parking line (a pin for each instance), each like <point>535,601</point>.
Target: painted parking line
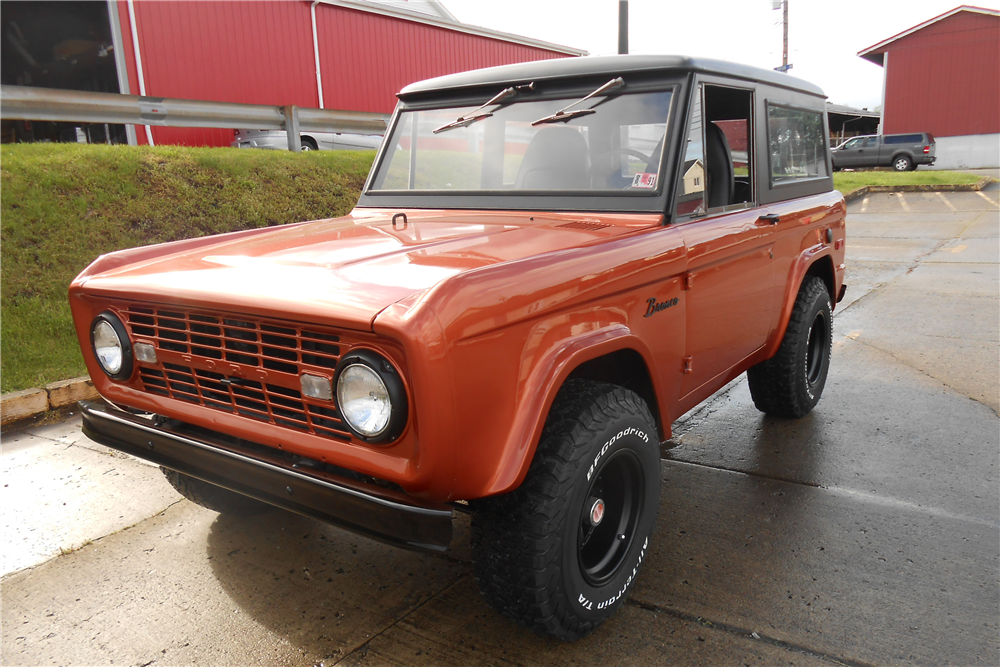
<point>902,202</point>
<point>959,248</point>
<point>986,198</point>
<point>945,200</point>
<point>864,204</point>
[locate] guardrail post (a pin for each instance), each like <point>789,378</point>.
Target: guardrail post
<point>292,128</point>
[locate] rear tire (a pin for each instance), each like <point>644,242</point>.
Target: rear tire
<point>791,383</point>
<point>902,163</point>
<point>540,559</point>
<point>309,144</point>
<point>213,497</point>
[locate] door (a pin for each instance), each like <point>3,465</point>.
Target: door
<point>852,153</point>
<point>730,280</point>
<point>873,153</point>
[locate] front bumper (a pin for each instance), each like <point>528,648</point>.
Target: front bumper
<point>371,510</point>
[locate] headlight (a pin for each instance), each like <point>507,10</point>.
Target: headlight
<point>111,346</point>
<point>371,397</point>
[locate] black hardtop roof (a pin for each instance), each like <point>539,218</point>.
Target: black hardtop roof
<point>558,68</point>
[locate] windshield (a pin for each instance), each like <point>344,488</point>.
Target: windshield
<point>615,148</point>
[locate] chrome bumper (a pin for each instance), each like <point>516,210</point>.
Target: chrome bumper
<point>368,509</point>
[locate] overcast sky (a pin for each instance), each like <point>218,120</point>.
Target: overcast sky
<point>823,40</point>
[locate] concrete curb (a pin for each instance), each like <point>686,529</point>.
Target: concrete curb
<point>964,187</point>
<point>18,406</point>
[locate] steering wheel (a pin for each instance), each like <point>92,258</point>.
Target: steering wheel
<point>623,151</point>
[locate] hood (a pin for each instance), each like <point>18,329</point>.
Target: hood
<point>344,271</point>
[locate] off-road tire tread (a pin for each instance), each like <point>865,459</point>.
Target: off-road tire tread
<point>213,497</point>
<point>516,536</point>
<point>773,383</point>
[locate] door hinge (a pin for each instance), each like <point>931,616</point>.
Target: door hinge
<point>687,365</point>
<point>688,281</point>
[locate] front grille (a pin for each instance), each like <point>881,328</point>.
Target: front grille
<point>238,364</point>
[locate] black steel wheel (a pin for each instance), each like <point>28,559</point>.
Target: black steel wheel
<point>614,502</point>
<point>560,553</point>
<point>791,383</point>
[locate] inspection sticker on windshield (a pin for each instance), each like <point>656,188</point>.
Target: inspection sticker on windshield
<point>646,181</point>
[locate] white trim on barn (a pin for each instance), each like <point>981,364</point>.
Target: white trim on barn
<point>121,68</point>
<point>885,42</point>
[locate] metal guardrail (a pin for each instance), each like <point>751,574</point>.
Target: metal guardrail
<point>27,103</point>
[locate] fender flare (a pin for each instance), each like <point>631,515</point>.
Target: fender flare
<point>540,391</point>
<point>796,273</point>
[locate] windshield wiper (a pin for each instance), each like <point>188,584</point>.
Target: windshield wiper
<point>471,117</point>
<point>565,114</point>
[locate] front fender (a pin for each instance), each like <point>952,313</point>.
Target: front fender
<point>509,451</point>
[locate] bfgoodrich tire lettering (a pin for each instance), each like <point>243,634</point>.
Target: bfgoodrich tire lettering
<point>537,559</point>
<point>791,383</point>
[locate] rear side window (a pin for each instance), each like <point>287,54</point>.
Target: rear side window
<point>796,144</point>
<point>903,139</point>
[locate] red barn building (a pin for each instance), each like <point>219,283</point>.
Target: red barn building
<point>943,77</point>
<point>335,54</point>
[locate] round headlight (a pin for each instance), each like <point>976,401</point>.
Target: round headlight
<point>111,346</point>
<point>370,397</point>
<point>364,401</point>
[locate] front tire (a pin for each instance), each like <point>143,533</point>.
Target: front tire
<point>791,383</point>
<point>545,556</point>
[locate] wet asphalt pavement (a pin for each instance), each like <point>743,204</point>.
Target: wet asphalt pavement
<point>867,533</point>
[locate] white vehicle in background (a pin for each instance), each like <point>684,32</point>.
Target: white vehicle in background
<point>314,141</point>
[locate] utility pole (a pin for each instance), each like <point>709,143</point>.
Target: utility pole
<point>783,6</point>
<point>622,26</point>
<point>784,25</point>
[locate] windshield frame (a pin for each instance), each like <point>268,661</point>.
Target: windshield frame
<point>622,201</point>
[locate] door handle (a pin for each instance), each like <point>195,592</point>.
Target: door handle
<point>771,218</point>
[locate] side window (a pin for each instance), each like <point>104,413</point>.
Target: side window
<point>871,142</point>
<point>691,188</point>
<point>718,171</point>
<point>854,143</point>
<point>729,162</point>
<point>904,139</point>
<point>796,144</point>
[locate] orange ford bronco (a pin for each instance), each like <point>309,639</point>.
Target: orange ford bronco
<point>549,263</point>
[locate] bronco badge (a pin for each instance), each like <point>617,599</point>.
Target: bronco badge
<point>654,307</point>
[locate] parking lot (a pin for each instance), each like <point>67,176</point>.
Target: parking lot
<point>867,533</point>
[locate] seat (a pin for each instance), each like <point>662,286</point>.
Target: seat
<point>720,167</point>
<point>557,159</point>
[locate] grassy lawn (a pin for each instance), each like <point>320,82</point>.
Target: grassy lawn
<point>848,181</point>
<point>62,205</point>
